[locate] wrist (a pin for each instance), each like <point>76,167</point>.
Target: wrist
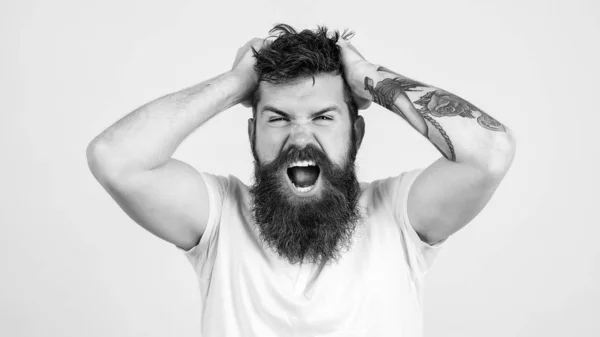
<point>356,77</point>
<point>245,84</point>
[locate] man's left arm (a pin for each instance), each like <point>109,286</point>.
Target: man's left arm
<point>477,149</point>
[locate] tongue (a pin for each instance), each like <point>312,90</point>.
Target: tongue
<point>303,176</point>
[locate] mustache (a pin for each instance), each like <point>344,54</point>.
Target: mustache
<point>294,153</point>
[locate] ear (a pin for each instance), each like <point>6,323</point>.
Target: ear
<point>251,130</point>
<point>359,131</point>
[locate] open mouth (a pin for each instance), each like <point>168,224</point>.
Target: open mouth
<point>303,175</point>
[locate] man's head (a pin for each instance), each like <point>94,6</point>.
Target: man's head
<point>305,135</point>
<point>292,56</point>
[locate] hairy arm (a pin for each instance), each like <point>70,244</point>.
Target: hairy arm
<point>477,150</point>
<point>132,158</point>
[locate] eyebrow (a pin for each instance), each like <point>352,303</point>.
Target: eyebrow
<point>314,114</point>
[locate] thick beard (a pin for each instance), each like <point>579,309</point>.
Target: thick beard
<point>313,229</point>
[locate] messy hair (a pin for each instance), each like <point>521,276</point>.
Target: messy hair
<point>292,56</point>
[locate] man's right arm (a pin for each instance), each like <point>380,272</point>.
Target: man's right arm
<point>132,158</point>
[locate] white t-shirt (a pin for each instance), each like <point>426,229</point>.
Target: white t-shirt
<point>375,289</point>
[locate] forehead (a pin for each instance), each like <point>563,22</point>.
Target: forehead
<point>304,95</point>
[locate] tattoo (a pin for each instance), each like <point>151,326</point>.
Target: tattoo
<point>490,123</point>
<point>391,94</point>
<point>386,94</point>
<point>439,128</point>
<point>440,103</point>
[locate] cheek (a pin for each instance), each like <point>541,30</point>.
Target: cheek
<point>336,146</point>
<point>267,146</point>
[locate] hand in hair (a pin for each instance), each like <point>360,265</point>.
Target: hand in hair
<point>243,65</point>
<point>355,67</point>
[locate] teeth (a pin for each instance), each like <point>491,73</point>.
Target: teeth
<point>303,163</point>
<point>304,189</point>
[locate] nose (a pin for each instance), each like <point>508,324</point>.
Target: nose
<point>301,135</point>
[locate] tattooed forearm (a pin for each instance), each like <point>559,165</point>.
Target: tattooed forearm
<point>440,103</point>
<point>427,105</point>
<point>444,104</point>
<point>386,94</point>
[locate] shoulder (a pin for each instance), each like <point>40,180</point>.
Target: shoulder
<point>222,186</point>
<point>227,192</point>
<point>390,189</point>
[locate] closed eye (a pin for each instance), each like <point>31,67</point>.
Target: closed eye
<point>327,118</point>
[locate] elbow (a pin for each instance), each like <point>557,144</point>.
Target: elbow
<point>502,154</point>
<point>99,161</point>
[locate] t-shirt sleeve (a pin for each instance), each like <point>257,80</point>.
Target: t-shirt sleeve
<point>217,187</point>
<point>420,254</point>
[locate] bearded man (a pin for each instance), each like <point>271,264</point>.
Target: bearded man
<point>307,250</point>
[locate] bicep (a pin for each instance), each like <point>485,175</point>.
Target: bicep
<point>170,201</point>
<point>446,196</point>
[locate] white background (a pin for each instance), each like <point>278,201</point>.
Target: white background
<point>73,264</point>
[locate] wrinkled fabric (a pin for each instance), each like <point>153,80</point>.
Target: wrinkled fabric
<point>374,289</point>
